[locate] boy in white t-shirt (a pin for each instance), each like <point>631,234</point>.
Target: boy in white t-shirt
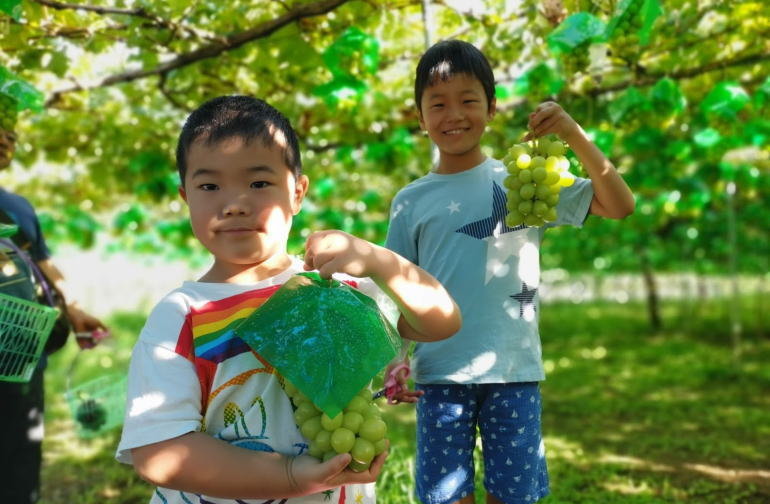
<point>207,419</point>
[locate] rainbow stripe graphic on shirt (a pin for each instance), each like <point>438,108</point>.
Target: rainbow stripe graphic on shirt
<point>207,337</point>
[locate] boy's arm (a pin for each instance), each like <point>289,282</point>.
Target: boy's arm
<point>199,463</point>
<point>428,312</point>
<point>612,197</point>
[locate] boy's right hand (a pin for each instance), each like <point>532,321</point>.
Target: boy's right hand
<point>313,476</point>
<point>403,394</point>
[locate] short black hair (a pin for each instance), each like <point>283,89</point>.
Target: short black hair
<point>447,58</point>
<point>237,116</point>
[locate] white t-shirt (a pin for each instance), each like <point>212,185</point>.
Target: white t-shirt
<point>189,373</point>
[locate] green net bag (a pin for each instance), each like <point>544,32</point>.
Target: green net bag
<point>328,339</point>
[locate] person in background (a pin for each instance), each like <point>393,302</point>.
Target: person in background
<point>21,420</point>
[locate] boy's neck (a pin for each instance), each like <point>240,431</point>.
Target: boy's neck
<point>457,163</point>
<point>225,272</point>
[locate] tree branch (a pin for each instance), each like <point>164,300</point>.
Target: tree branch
<point>213,49</point>
<point>687,73</point>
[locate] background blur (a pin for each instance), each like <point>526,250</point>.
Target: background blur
<point>656,329</point>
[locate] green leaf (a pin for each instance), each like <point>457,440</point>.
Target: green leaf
<point>540,81</point>
<point>630,100</point>
<point>25,94</point>
<point>576,30</point>
<point>341,90</point>
<point>353,54</point>
<point>707,137</point>
<point>725,100</point>
<point>666,96</point>
<point>12,8</point>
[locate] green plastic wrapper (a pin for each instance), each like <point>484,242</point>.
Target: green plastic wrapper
<point>326,338</point>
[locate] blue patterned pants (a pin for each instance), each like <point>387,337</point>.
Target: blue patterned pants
<point>507,416</point>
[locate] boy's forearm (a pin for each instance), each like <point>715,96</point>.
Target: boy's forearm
<point>428,312</point>
<point>611,191</point>
<point>198,463</point>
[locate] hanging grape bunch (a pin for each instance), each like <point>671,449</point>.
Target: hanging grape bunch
<point>8,112</point>
<point>91,415</point>
<point>578,60</point>
<point>537,172</point>
<point>626,33</point>
<point>357,430</point>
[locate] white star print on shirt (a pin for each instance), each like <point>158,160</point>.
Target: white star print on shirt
<point>453,207</point>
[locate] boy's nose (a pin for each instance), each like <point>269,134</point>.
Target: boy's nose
<point>236,207</point>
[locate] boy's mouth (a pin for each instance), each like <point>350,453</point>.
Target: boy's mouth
<point>455,131</point>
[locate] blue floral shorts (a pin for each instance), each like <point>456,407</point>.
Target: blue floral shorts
<point>508,418</point>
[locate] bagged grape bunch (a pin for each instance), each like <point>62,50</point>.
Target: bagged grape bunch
<point>357,430</point>
<point>537,172</point>
<point>327,340</point>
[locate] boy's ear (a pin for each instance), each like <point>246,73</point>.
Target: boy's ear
<point>300,189</point>
<point>420,119</point>
<point>183,193</point>
<point>492,109</point>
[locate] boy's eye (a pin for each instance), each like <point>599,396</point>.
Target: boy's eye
<point>471,101</point>
<point>260,184</point>
<point>437,105</point>
<point>208,187</point>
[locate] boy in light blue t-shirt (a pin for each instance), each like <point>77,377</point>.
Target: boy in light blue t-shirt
<point>451,222</point>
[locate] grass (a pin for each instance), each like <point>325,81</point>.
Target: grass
<point>630,415</point>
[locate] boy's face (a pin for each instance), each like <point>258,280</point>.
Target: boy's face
<point>455,113</point>
<point>242,197</point>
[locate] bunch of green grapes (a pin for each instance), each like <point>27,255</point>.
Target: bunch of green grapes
<point>626,32</point>
<point>8,112</point>
<point>537,172</point>
<point>578,60</point>
<point>358,429</point>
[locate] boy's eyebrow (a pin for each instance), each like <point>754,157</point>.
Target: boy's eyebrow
<point>464,91</point>
<point>251,169</point>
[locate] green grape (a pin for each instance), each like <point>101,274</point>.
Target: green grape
<point>358,404</point>
<point>514,218</point>
<point>380,446</point>
<point>372,411</point>
<point>551,178</point>
<point>533,220</point>
<point>514,198</point>
<point>511,182</point>
<point>315,450</point>
<point>353,421</point>
<point>537,161</point>
<point>311,427</point>
<point>363,450</point>
<point>525,208</point>
<point>542,192</point>
<point>523,161</point>
<point>527,191</point>
<point>324,440</point>
<point>329,455</point>
<point>539,208</point>
<point>550,215</point>
<point>525,176</point>
<point>539,174</point>
<point>304,411</point>
<point>342,440</point>
<point>357,466</point>
<point>552,200</point>
<point>330,424</point>
<point>373,429</point>
<point>556,149</point>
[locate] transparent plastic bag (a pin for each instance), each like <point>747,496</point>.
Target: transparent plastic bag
<point>324,336</point>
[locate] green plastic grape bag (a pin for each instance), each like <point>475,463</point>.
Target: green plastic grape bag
<point>324,336</point>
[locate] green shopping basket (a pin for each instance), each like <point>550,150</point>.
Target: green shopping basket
<point>97,405</point>
<point>24,329</point>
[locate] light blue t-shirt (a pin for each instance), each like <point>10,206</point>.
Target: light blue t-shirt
<point>453,226</point>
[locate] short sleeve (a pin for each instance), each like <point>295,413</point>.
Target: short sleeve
<point>574,203</point>
<point>163,394</point>
<point>399,238</point>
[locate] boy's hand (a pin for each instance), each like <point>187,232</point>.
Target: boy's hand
<point>312,476</point>
<point>403,394</point>
<point>548,118</point>
<point>337,252</point>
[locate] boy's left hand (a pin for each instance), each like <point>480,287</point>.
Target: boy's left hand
<point>337,252</point>
<point>548,118</point>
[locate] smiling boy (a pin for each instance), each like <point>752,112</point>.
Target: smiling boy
<point>207,418</point>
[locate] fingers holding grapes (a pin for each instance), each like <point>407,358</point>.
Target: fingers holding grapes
<point>549,118</point>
